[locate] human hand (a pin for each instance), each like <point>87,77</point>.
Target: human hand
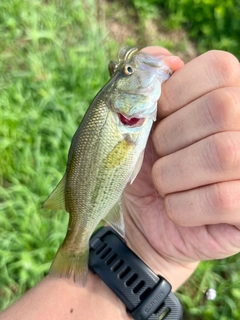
<point>183,206</point>
<point>189,210</point>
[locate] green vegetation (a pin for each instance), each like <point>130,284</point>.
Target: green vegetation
<point>209,23</point>
<point>53,60</point>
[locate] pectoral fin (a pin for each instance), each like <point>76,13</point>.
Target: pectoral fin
<point>115,218</point>
<point>137,167</point>
<point>56,200</point>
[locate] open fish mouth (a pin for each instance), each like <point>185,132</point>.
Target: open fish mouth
<point>130,121</point>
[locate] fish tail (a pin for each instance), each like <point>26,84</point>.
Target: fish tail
<point>67,264</point>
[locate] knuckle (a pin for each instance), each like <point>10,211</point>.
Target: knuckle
<point>223,199</point>
<point>226,66</point>
<point>223,108</point>
<point>226,149</point>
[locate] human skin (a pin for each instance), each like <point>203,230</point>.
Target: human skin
<point>184,205</point>
<point>194,160</point>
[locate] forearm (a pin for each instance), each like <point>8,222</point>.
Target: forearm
<point>61,299</point>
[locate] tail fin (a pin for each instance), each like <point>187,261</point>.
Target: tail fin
<point>66,264</point>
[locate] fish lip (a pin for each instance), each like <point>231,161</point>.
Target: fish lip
<point>139,123</point>
<point>152,115</point>
<point>141,116</point>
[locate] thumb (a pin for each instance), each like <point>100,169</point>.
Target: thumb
<point>173,62</point>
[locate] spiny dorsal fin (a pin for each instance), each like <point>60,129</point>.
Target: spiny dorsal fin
<point>56,200</point>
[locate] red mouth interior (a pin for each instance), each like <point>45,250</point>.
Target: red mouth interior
<point>128,122</point>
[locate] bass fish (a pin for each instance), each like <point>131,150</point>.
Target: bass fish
<point>106,153</point>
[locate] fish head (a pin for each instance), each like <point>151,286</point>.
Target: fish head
<point>137,85</point>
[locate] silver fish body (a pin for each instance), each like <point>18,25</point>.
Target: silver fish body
<point>105,154</point>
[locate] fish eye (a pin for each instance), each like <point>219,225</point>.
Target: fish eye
<point>128,70</point>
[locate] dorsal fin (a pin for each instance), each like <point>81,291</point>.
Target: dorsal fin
<point>56,200</point>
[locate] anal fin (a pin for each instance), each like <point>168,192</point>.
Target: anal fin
<point>67,264</point>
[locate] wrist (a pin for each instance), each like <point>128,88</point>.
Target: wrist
<point>61,299</point>
<point>175,272</point>
<point>145,294</point>
<point>104,303</point>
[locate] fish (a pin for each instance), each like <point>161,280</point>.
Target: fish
<point>106,154</point>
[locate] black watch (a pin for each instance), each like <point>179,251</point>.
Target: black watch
<point>145,294</point>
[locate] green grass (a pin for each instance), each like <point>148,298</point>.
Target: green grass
<point>53,60</point>
<point>209,23</point>
<point>223,276</point>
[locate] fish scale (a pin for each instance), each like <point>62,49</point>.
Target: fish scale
<point>106,153</point>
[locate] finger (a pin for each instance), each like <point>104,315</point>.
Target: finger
<point>212,204</point>
<point>211,160</point>
<point>157,51</point>
<point>173,62</point>
<point>224,240</point>
<point>214,112</point>
<point>208,72</point>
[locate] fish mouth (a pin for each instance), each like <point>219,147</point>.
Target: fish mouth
<point>132,122</point>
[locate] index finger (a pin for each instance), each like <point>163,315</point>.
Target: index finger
<point>208,72</point>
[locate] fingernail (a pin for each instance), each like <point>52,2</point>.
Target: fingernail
<point>172,58</point>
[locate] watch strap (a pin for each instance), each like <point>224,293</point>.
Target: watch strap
<point>145,294</point>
